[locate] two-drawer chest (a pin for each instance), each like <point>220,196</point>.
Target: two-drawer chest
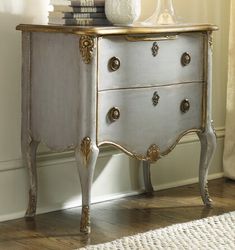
<point>139,89</point>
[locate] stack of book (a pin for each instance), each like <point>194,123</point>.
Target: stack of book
<point>78,12</point>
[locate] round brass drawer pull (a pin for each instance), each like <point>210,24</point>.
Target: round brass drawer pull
<point>114,114</point>
<point>114,64</point>
<point>185,106</point>
<point>185,59</point>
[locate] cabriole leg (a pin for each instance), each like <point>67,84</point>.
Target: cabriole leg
<point>147,177</point>
<point>208,146</point>
<point>29,156</point>
<point>86,157</point>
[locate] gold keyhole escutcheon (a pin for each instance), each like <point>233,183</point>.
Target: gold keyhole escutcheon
<point>155,49</point>
<point>155,98</point>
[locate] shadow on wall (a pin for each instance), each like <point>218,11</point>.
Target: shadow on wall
<point>12,13</point>
<point>193,11</point>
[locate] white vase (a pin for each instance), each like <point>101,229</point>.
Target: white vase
<point>122,12</point>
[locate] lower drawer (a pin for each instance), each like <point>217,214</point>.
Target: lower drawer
<point>134,119</point>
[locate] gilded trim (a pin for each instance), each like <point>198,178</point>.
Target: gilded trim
<point>99,39</point>
<point>210,40</point>
<point>112,30</point>
<point>213,127</point>
<point>152,155</point>
<point>32,205</point>
<point>150,38</point>
<point>208,200</point>
<point>151,86</point>
<point>86,45</point>
<point>85,220</point>
<point>205,81</point>
<point>153,152</point>
<point>86,149</point>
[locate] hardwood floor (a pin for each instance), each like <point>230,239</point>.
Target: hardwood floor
<point>115,219</point>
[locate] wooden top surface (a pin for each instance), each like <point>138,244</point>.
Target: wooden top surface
<point>115,30</point>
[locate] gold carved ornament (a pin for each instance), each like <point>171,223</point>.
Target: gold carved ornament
<point>85,220</point>
<point>153,154</point>
<point>86,149</point>
<point>86,45</point>
<point>210,38</point>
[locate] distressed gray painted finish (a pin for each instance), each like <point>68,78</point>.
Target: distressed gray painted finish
<point>28,143</point>
<point>207,137</point>
<point>161,124</point>
<point>60,105</point>
<point>61,95</point>
<point>140,68</point>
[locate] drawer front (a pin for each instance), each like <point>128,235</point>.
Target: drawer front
<point>126,64</point>
<point>137,118</point>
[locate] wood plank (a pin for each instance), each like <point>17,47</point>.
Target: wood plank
<point>115,219</point>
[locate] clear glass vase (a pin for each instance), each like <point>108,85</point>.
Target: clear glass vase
<point>164,14</point>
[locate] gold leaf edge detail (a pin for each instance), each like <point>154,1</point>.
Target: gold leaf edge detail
<point>210,40</point>
<point>86,46</point>
<point>153,154</point>
<point>85,219</point>
<point>86,149</point>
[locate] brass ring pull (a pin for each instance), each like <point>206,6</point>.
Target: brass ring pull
<point>114,64</point>
<point>185,106</point>
<point>155,98</point>
<point>185,59</point>
<point>114,114</point>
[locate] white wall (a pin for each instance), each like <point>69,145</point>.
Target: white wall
<point>116,174</point>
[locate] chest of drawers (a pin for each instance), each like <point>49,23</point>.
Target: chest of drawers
<point>138,89</point>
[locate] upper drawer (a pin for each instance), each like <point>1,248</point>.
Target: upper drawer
<point>149,63</point>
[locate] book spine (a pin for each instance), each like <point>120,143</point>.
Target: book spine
<point>76,15</point>
<point>79,9</point>
<point>86,3</point>
<point>82,22</point>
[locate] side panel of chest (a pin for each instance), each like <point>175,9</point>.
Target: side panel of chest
<point>63,91</point>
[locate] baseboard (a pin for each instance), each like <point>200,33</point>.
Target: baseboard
<point>105,198</point>
<point>186,182</point>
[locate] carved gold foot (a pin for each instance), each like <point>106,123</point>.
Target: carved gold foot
<point>85,220</point>
<point>31,210</point>
<point>206,197</point>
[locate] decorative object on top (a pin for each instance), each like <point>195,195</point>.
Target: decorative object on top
<point>78,12</point>
<point>163,15</point>
<point>122,12</point>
